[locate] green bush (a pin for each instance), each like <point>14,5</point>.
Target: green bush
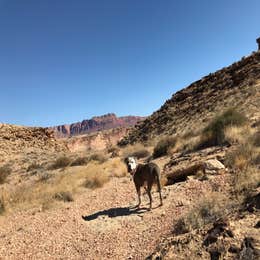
<point>163,146</point>
<point>214,133</point>
<point>4,172</point>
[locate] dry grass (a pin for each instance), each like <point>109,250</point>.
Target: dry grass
<point>98,157</point>
<point>243,160</point>
<point>33,166</point>
<point>5,171</point>
<point>2,204</point>
<point>63,186</point>
<point>214,133</point>
<point>208,209</point>
<point>115,168</point>
<point>137,150</point>
<point>234,134</point>
<point>80,161</point>
<point>60,162</point>
<point>95,180</point>
<point>164,146</point>
<point>65,196</point>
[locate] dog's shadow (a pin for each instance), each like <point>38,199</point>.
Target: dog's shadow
<point>116,212</point>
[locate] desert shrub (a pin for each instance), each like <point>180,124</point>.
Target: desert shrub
<point>163,146</point>
<point>113,149</point>
<point>243,160</point>
<point>60,162</point>
<point>142,153</point>
<point>115,168</point>
<point>255,139</point>
<point>137,150</point>
<point>44,176</point>
<point>33,166</point>
<point>2,205</point>
<point>99,157</point>
<point>95,180</point>
<point>4,172</point>
<point>80,161</point>
<point>214,133</point>
<point>65,196</point>
<point>206,211</point>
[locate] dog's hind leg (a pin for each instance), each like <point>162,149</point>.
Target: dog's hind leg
<point>159,189</point>
<point>138,190</point>
<point>149,187</point>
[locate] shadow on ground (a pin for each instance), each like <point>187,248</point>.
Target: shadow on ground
<point>115,212</point>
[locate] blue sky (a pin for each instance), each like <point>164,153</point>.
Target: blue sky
<point>62,61</point>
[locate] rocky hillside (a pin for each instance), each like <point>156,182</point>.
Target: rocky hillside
<point>97,140</point>
<point>98,123</point>
<point>16,140</point>
<point>237,86</point>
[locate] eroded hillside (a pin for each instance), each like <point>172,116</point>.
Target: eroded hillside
<point>191,108</point>
<point>95,124</point>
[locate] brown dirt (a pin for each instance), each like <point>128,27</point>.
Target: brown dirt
<point>110,232</point>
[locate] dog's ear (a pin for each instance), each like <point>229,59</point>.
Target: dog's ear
<point>126,160</point>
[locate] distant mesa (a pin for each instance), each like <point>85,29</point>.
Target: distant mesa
<point>95,124</point>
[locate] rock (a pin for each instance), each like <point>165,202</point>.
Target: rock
<point>213,166</point>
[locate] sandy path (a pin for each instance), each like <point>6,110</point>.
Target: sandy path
<point>110,232</point>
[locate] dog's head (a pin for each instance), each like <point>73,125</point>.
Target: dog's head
<point>131,164</point>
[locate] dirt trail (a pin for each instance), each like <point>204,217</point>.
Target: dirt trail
<point>110,229</point>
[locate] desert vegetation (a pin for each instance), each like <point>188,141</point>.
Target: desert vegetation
<point>164,145</point>
<point>208,209</point>
<point>214,133</point>
<point>5,171</point>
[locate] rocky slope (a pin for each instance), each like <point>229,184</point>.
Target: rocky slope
<point>235,86</point>
<point>98,123</point>
<point>97,140</point>
<point>15,140</point>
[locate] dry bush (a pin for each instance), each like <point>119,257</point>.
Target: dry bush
<point>44,176</point>
<point>2,204</point>
<point>65,196</point>
<point>60,162</point>
<point>95,180</point>
<point>5,171</point>
<point>114,151</point>
<point>99,157</point>
<point>164,145</point>
<point>214,133</point>
<point>208,209</point>
<point>255,139</point>
<point>115,168</point>
<point>80,161</point>
<point>33,166</point>
<point>45,193</point>
<point>137,150</point>
<point>243,160</point>
<point>234,134</point>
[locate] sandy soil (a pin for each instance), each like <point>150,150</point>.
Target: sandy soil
<point>99,224</point>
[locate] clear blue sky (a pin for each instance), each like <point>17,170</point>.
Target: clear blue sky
<point>62,61</point>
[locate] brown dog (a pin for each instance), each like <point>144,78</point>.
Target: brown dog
<point>144,174</point>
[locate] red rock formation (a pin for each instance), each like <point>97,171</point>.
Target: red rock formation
<point>95,124</point>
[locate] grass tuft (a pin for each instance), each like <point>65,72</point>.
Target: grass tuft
<point>164,145</point>
<point>5,171</point>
